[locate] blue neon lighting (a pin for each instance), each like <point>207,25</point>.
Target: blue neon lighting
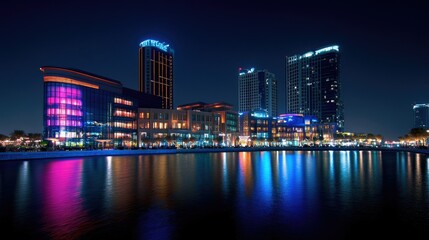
<point>328,49</point>
<point>155,43</point>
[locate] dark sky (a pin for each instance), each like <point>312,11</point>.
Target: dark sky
<point>384,47</point>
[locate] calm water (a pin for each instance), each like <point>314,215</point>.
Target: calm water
<point>246,195</point>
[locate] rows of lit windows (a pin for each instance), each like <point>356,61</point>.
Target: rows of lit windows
<point>63,122</point>
<point>160,125</point>
<point>144,115</point>
<point>199,127</point>
<point>64,100</point>
<point>63,91</point>
<point>121,135</point>
<point>62,111</point>
<point>63,105</point>
<point>123,101</point>
<point>66,134</point>
<point>124,113</point>
<point>163,125</point>
<point>129,125</point>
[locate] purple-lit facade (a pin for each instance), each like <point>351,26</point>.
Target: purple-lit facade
<point>84,110</point>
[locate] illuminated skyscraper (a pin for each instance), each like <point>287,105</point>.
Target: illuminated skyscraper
<point>257,90</point>
<point>421,116</point>
<point>156,70</point>
<point>313,86</point>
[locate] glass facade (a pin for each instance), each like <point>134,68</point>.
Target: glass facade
<point>421,116</point>
<point>257,89</point>
<point>313,85</point>
<point>86,111</point>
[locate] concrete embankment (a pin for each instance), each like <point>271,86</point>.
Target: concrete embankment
<point>91,153</point>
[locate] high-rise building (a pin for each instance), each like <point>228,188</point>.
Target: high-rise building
<point>421,115</point>
<point>156,70</point>
<point>257,90</point>
<point>313,86</point>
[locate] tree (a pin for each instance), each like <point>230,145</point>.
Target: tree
<point>3,137</point>
<point>419,134</point>
<point>16,134</point>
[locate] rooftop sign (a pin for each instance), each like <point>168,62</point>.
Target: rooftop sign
<point>155,43</point>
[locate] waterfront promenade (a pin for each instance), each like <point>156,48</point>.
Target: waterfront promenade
<point>89,153</point>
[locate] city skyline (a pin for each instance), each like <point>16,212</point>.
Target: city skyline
<point>384,51</point>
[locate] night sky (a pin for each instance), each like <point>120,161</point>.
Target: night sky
<point>384,51</point>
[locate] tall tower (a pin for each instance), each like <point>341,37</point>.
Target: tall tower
<point>421,116</point>
<point>156,70</point>
<point>313,85</point>
<point>257,89</point>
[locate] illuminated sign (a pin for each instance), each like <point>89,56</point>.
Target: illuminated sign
<point>420,105</point>
<point>259,114</point>
<point>154,43</point>
<point>244,71</point>
<point>328,49</point>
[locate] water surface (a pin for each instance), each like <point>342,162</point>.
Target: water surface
<point>243,195</point>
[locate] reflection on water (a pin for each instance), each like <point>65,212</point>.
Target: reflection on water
<point>336,194</point>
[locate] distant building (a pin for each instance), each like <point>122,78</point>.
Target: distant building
<point>228,125</point>
<point>293,129</point>
<point>257,89</point>
<point>84,110</point>
<point>313,86</point>
<point>180,126</point>
<point>257,125</point>
<point>156,71</point>
<point>421,115</point>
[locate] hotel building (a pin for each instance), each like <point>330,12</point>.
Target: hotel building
<point>84,110</point>
<point>156,70</point>
<point>257,89</point>
<point>313,86</point>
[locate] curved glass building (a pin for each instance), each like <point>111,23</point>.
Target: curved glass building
<point>84,110</point>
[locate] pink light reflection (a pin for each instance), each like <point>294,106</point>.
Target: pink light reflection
<point>62,211</point>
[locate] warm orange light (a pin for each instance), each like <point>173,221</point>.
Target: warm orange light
<point>80,73</point>
<point>69,81</point>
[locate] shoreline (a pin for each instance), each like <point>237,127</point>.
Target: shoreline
<point>10,156</point>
